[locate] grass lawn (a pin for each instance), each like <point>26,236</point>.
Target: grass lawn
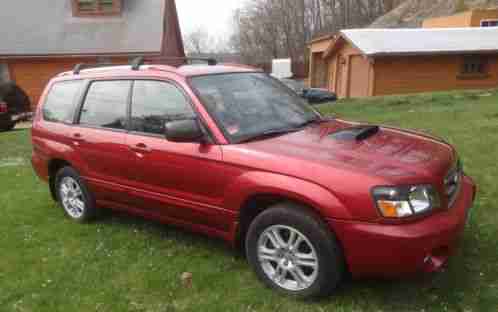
<point>120,263</point>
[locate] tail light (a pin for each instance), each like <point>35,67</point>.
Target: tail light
<point>3,107</point>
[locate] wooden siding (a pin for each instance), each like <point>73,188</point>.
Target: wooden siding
<point>319,69</point>
<point>399,75</point>
<point>33,75</point>
<point>466,19</point>
<point>458,20</point>
<point>480,15</point>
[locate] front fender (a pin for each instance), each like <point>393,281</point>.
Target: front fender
<point>267,183</point>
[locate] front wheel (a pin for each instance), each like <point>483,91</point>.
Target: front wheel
<point>292,250</point>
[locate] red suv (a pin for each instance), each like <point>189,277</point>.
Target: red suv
<point>230,152</point>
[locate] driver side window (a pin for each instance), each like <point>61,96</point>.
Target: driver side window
<point>154,103</point>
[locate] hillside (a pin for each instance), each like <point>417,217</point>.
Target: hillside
<point>411,13</point>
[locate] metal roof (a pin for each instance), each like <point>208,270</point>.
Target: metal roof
<point>48,27</point>
<point>378,42</point>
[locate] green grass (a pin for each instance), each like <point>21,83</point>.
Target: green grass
<point>121,263</point>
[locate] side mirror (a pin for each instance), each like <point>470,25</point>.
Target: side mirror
<point>184,131</point>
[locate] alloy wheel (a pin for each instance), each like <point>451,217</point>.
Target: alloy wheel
<point>72,197</point>
<point>288,258</point>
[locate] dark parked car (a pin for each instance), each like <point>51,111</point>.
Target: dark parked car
<point>230,152</point>
<point>318,96</point>
<point>293,84</point>
<point>14,106</point>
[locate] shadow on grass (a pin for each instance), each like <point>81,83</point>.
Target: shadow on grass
<point>443,289</point>
<point>161,230</point>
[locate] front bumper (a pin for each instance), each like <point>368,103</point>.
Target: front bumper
<point>384,250</point>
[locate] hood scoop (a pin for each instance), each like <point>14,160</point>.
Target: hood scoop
<point>358,133</point>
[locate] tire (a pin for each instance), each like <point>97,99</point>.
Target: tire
<point>317,242</point>
<point>74,196</point>
<point>7,126</point>
<point>10,126</point>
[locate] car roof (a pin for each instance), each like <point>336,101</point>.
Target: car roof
<point>198,70</point>
<point>156,70</point>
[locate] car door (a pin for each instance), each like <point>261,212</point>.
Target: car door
<point>99,139</point>
<point>183,181</point>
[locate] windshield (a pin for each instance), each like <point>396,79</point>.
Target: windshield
<point>248,105</point>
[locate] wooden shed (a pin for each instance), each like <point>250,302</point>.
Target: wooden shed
<point>472,18</point>
<point>371,62</point>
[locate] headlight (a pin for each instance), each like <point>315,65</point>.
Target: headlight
<point>406,201</point>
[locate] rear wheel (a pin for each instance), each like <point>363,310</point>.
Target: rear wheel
<point>293,251</point>
<point>73,195</point>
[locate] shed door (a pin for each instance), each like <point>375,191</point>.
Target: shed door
<point>359,68</point>
<point>320,71</point>
<point>342,76</point>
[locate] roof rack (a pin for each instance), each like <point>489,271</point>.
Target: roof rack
<point>81,66</point>
<point>139,61</point>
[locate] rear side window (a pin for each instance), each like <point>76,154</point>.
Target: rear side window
<point>106,104</point>
<point>154,103</point>
<point>61,101</point>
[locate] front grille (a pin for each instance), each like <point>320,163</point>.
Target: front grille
<point>452,183</point>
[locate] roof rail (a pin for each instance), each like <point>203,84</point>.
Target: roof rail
<point>139,61</point>
<point>81,66</point>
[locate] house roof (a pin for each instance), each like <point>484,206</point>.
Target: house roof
<point>419,41</point>
<point>48,28</point>
<point>322,38</point>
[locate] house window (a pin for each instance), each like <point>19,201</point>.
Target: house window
<point>489,23</point>
<point>474,66</point>
<point>96,7</point>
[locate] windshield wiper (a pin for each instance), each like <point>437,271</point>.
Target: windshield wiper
<point>269,133</point>
<point>276,132</point>
<point>317,120</point>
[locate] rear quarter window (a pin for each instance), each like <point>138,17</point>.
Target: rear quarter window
<point>61,101</point>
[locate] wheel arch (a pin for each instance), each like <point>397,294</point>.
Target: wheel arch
<point>54,165</point>
<point>258,203</point>
<point>252,198</point>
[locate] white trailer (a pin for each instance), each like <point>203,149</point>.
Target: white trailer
<point>282,68</point>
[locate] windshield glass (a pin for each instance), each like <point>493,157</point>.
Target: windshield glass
<point>247,105</point>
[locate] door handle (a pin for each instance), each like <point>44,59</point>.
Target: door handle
<point>77,139</point>
<point>141,148</point>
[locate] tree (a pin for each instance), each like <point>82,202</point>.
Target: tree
<point>197,41</point>
<point>266,29</point>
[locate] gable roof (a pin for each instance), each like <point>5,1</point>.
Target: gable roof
<point>48,28</point>
<point>420,41</point>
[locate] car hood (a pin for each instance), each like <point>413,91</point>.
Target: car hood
<point>388,152</point>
